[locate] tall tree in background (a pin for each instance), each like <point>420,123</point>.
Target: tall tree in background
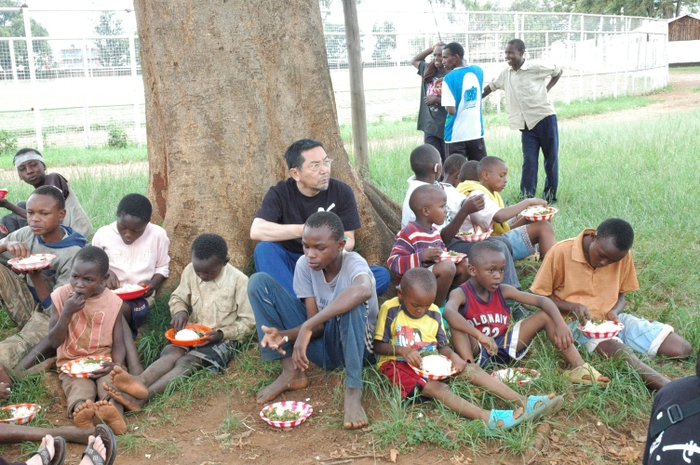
<point>12,25</point>
<point>111,52</point>
<point>218,122</point>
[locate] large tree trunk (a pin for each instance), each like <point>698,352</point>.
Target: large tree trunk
<point>229,86</point>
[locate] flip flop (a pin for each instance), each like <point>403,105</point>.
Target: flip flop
<point>506,416</point>
<point>585,374</point>
<point>105,433</point>
<point>59,456</point>
<point>539,406</point>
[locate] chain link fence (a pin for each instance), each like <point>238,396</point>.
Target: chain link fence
<point>83,86</point>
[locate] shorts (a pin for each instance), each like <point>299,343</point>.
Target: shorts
<point>214,357</point>
<point>471,149</point>
<point>641,335</point>
<point>402,375</point>
<point>507,348</point>
<point>520,240</point>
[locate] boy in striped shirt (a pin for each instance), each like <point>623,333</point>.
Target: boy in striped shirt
<point>419,243</point>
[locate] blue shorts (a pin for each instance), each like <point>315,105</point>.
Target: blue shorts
<point>507,348</point>
<point>519,239</point>
<point>641,335</point>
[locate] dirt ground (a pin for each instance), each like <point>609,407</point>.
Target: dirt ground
<point>321,440</point>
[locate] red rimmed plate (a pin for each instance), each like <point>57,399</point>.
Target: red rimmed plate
<point>475,237</point>
<point>24,413</point>
<point>3,193</point>
<point>34,262</point>
<point>67,367</point>
<point>516,375</point>
<point>434,376</point>
<point>453,256</point>
<point>170,335</point>
<point>304,411</point>
<point>538,213</point>
<point>604,333</point>
<point>131,295</point>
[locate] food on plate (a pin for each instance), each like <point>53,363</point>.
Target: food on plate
<point>537,211</point>
<point>128,288</point>
<point>188,335</point>
<point>451,253</point>
<point>600,326</point>
<point>85,365</point>
<point>282,414</point>
<point>31,260</point>
<point>437,365</point>
<point>7,414</point>
<point>470,232</point>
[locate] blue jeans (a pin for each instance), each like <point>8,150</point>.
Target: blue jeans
<point>544,135</point>
<point>343,340</point>
<point>510,276</point>
<point>278,262</point>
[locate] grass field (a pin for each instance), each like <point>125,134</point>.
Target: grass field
<point>643,171</point>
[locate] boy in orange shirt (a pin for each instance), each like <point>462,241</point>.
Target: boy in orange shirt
<point>588,276</point>
<point>86,321</point>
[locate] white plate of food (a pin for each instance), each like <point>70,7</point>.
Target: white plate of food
<point>474,235</point>
<point>601,329</point>
<point>435,367</point>
<point>287,414</point>
<point>539,213</point>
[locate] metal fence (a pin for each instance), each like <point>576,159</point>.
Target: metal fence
<point>81,84</point>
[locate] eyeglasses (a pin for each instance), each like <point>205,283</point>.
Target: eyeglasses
<point>316,165</point>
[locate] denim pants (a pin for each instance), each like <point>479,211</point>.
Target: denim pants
<point>343,340</point>
<point>544,135</point>
<point>510,276</point>
<point>278,262</point>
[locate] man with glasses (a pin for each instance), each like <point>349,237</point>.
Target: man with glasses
<point>279,223</point>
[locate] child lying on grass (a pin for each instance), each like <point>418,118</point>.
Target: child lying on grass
<point>480,320</point>
<point>216,292</point>
<point>410,324</point>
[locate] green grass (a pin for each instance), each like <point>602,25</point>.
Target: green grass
<point>82,156</point>
<point>643,171</point>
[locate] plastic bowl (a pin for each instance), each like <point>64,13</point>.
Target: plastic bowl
<point>3,193</point>
<point>516,375</point>
<point>455,258</point>
<point>547,217</point>
<point>26,267</point>
<point>170,336</point>
<point>133,294</point>
<point>433,376</point>
<point>474,237</point>
<point>602,334</point>
<point>34,409</point>
<point>304,409</point>
<point>66,367</point>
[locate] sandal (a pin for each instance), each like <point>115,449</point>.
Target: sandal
<point>110,442</point>
<point>505,416</point>
<point>586,375</point>
<point>59,455</point>
<point>539,406</point>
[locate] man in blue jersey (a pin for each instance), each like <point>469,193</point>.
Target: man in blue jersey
<point>461,97</point>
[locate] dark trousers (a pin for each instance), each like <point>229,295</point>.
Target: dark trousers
<point>471,149</point>
<point>436,142</point>
<point>545,136</point>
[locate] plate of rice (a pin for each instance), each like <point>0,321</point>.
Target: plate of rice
<point>599,329</point>
<point>130,291</point>
<point>474,235</point>
<point>538,213</point>
<point>189,336</point>
<point>287,414</point>
<point>82,367</point>
<point>435,367</point>
<point>34,262</point>
<point>452,255</point>
<point>19,414</point>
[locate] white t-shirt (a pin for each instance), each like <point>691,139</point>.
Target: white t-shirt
<point>454,202</point>
<point>462,89</point>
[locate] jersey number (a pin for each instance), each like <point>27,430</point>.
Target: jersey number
<point>490,332</point>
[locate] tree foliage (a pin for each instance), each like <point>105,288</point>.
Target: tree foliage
<point>111,52</point>
<point>12,25</point>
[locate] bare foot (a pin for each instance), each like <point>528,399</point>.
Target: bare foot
<point>83,415</point>
<point>129,402</point>
<point>517,413</point>
<point>108,413</point>
<point>127,383</point>
<point>355,417</point>
<point>99,447</point>
<point>289,380</point>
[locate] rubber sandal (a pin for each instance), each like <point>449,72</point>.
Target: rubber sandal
<point>506,416</point>
<point>539,406</point>
<point>110,442</point>
<point>585,375</point>
<point>59,455</point>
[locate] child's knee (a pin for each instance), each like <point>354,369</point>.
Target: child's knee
<point>445,268</point>
<point>187,362</point>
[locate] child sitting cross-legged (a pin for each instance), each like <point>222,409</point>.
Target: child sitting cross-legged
<point>419,243</point>
<point>522,234</point>
<point>410,324</point>
<point>216,292</point>
<point>480,320</point>
<point>86,321</point>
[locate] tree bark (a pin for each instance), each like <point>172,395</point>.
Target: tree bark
<point>229,86</point>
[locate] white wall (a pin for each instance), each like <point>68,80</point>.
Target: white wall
<point>684,51</point>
